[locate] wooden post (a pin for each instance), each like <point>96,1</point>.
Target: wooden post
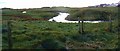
<point>82,26</point>
<point>79,25</point>
<point>110,20</point>
<point>118,26</point>
<point>97,48</point>
<point>9,36</point>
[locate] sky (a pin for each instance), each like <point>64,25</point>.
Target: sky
<point>51,3</point>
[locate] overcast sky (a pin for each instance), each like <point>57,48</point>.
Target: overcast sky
<point>50,3</point>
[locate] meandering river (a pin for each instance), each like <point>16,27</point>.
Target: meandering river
<point>61,18</point>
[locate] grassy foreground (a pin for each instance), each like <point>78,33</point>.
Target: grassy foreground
<point>44,34</point>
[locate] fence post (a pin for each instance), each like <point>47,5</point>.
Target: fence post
<point>118,26</point>
<point>82,28</point>
<point>110,23</point>
<point>97,48</point>
<point>79,25</point>
<point>9,35</point>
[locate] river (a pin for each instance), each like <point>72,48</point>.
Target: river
<point>61,18</point>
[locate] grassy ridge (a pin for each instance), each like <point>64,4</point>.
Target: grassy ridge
<point>41,14</point>
<point>31,13</point>
<point>93,13</point>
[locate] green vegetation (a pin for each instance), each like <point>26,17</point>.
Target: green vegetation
<point>41,14</point>
<point>42,34</point>
<point>32,13</point>
<point>31,34</point>
<point>94,13</point>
